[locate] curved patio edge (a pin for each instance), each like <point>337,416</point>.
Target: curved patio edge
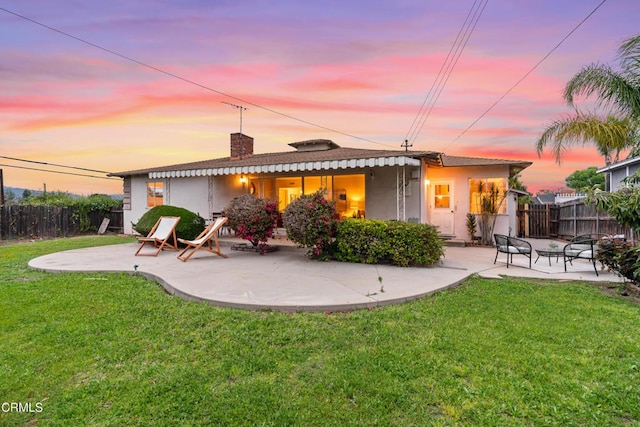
<point>287,281</point>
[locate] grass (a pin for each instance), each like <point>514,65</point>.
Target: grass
<point>111,350</point>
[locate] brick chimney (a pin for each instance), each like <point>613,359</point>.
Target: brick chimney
<point>241,146</point>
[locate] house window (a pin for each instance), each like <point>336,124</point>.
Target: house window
<point>155,193</point>
<point>316,183</point>
<point>348,191</point>
<point>288,190</point>
<point>443,197</point>
<point>349,194</point>
<point>489,193</point>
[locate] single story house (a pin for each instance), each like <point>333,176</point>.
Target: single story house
<point>421,186</point>
<point>616,172</point>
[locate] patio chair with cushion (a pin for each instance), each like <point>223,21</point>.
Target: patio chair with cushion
<point>204,240</point>
<point>582,247</point>
<point>163,234</point>
<point>511,246</point>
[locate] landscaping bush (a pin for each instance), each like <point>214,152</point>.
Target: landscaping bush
<point>620,257</point>
<point>401,243</point>
<point>188,228</point>
<point>252,218</point>
<point>311,222</point>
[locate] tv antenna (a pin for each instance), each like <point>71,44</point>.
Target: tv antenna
<point>406,145</point>
<point>239,107</point>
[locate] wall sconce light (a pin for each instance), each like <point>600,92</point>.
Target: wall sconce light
<point>243,179</point>
<point>427,182</point>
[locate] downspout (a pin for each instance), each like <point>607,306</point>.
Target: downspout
<point>397,194</point>
<point>404,193</point>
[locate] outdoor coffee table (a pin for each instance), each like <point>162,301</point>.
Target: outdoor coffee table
<point>549,253</point>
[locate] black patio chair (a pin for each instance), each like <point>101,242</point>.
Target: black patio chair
<point>511,246</point>
<point>584,247</point>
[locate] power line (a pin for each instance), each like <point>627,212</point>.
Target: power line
<point>52,164</point>
<point>192,82</point>
<point>448,65</point>
<point>58,172</point>
<point>529,72</point>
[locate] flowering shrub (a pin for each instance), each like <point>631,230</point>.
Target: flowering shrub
<point>311,222</point>
<point>252,218</point>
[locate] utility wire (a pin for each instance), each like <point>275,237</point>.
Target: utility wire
<point>529,72</point>
<point>416,120</point>
<point>449,64</point>
<point>52,164</point>
<point>58,172</point>
<point>192,82</point>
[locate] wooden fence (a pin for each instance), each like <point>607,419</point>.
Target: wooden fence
<point>34,222</point>
<point>566,220</point>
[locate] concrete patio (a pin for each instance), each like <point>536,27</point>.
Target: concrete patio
<point>287,281</point>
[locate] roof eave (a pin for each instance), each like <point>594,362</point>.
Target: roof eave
<point>308,166</point>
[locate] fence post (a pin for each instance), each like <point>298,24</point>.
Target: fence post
<point>575,218</point>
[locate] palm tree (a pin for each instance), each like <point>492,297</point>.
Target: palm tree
<point>618,91</point>
<point>611,135</point>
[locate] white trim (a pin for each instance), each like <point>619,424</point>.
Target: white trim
<point>619,165</point>
<point>292,167</point>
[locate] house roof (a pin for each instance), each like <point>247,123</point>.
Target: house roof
<point>543,199</point>
<point>459,161</point>
<point>620,165</point>
<point>333,157</point>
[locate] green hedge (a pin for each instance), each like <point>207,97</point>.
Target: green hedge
<point>373,241</point>
<point>189,227</point>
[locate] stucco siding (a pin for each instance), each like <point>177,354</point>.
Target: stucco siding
<point>460,176</point>
<point>223,189</point>
<point>138,203</point>
<point>189,193</point>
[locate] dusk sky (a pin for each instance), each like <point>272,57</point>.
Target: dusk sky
<point>362,68</point>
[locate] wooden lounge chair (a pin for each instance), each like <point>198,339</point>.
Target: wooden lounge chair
<point>511,246</point>
<point>204,240</point>
<point>160,235</point>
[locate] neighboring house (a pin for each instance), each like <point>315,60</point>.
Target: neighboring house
<point>543,199</point>
<point>616,172</point>
<point>567,197</point>
<point>420,186</point>
<point>554,199</point>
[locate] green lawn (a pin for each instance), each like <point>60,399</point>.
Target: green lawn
<point>91,349</point>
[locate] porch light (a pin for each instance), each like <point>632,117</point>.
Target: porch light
<point>243,179</point>
<point>427,182</point>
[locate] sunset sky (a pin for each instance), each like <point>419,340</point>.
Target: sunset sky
<point>353,68</point>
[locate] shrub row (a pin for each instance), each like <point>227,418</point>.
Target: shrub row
<point>401,243</point>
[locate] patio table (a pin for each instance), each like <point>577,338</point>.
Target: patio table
<point>549,253</point>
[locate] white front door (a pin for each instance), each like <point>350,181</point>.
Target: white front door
<point>442,207</point>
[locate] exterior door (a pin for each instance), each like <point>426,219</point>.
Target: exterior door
<point>442,207</point>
